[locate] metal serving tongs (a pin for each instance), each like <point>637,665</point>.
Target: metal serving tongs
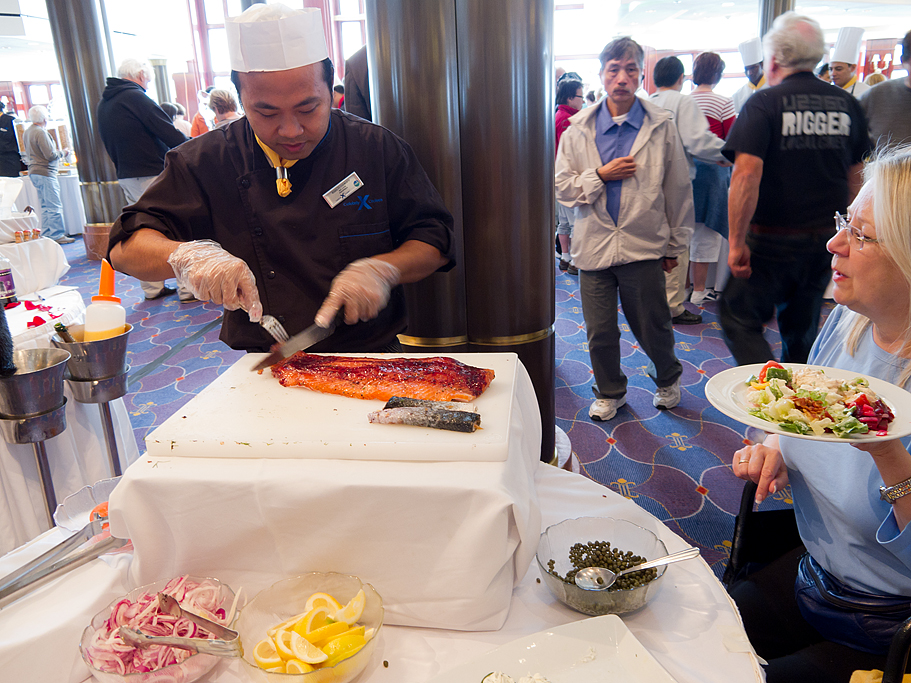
<point>58,560</point>
<point>227,643</point>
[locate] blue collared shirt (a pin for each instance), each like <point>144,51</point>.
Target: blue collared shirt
<point>615,141</point>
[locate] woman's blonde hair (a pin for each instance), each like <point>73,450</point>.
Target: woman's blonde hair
<point>890,173</point>
<point>874,78</point>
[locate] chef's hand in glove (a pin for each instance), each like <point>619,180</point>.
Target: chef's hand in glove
<point>212,274</point>
<point>362,288</point>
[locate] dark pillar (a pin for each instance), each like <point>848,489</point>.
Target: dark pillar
<point>162,80</point>
<point>769,10</point>
<point>469,84</point>
<point>506,96</point>
<point>414,85</point>
<point>79,45</point>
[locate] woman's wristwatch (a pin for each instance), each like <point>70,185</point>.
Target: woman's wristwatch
<point>890,494</point>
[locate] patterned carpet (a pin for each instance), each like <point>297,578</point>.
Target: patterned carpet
<point>675,464</point>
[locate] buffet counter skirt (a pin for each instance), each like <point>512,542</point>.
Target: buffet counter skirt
<point>690,626</point>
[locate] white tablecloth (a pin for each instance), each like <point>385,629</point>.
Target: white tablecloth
<point>465,531</point>
<point>77,457</point>
<point>70,197</point>
<point>17,222</point>
<point>691,626</point>
<point>36,264</point>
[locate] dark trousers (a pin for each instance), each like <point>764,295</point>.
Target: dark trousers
<point>795,651</point>
<point>790,275</point>
<point>641,289</point>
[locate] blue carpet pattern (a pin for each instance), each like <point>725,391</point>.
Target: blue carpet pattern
<point>675,464</point>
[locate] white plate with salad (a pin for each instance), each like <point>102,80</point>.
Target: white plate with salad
<point>812,402</point>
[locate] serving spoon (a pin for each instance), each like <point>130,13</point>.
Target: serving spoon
<point>600,579</point>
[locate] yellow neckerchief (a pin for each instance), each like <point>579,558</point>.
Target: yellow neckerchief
<point>850,84</point>
<point>758,85</point>
<point>280,165</point>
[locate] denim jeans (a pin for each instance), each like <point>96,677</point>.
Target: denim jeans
<point>641,289</point>
<point>789,278</point>
<point>48,189</point>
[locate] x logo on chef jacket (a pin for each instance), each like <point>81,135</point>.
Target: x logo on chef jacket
<point>364,204</point>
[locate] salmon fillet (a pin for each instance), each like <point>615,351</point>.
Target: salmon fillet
<point>434,378</point>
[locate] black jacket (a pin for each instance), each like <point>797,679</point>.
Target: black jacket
<point>135,131</point>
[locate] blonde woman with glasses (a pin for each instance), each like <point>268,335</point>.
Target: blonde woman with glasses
<point>832,606</point>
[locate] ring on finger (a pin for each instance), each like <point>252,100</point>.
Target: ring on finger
<point>744,460</point>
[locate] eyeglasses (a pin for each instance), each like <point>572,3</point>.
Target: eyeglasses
<point>859,238</point>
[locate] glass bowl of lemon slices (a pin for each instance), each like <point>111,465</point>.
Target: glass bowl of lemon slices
<point>315,628</point>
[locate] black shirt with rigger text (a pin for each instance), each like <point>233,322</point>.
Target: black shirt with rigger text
<point>808,134</point>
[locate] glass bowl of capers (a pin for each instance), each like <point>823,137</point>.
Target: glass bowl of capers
<point>616,544</point>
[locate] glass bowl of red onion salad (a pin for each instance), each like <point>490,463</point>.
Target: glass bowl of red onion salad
<point>111,660</point>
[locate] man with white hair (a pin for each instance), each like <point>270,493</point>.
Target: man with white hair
<point>797,149</point>
<point>298,210</point>
<point>43,157</point>
<point>137,134</point>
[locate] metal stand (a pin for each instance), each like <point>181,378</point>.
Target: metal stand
<point>102,391</point>
<point>35,430</point>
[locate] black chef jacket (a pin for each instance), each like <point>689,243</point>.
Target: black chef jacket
<point>220,186</point>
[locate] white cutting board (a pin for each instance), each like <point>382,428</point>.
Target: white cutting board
<point>244,414</point>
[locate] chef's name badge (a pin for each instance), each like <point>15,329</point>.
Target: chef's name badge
<point>344,189</point>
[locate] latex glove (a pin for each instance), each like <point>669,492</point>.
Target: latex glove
<point>363,288</point>
<point>212,274</point>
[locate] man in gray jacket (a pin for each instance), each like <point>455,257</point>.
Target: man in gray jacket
<point>622,167</point>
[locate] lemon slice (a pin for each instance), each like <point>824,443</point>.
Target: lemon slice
<point>285,624</point>
<point>282,641</point>
<point>323,600</point>
<point>305,651</point>
<point>314,619</point>
<point>296,666</point>
<point>265,656</point>
<point>354,631</point>
<point>351,612</point>
<point>324,634</point>
<point>369,633</point>
<point>343,647</point>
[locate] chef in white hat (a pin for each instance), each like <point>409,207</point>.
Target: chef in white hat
<point>751,54</point>
<point>297,210</point>
<point>843,64</point>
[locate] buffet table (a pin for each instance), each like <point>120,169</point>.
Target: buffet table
<point>36,264</point>
<point>79,455</point>
<point>691,626</point>
<point>70,197</point>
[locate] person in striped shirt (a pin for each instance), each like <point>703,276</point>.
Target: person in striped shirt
<point>710,187</point>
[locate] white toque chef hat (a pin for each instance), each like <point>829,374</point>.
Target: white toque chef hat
<point>275,37</point>
<point>847,45</point>
<point>751,51</point>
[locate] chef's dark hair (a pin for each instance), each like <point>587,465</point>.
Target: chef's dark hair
<point>328,76</point>
<point>906,48</point>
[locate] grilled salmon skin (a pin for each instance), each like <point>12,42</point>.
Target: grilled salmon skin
<point>433,378</point>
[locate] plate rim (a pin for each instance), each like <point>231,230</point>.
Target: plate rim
<point>715,395</point>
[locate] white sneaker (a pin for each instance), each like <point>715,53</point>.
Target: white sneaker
<point>704,295</point>
<point>667,397</point>
<point>604,409</point>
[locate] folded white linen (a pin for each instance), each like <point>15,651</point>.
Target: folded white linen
<point>443,542</point>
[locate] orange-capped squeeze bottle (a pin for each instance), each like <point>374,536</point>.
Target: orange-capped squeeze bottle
<point>104,317</point>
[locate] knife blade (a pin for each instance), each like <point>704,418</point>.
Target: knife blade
<point>298,342</point>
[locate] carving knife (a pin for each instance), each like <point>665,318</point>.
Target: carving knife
<point>298,342</point>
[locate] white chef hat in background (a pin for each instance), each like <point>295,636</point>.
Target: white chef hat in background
<point>751,51</point>
<point>275,37</point>
<point>847,45</point>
